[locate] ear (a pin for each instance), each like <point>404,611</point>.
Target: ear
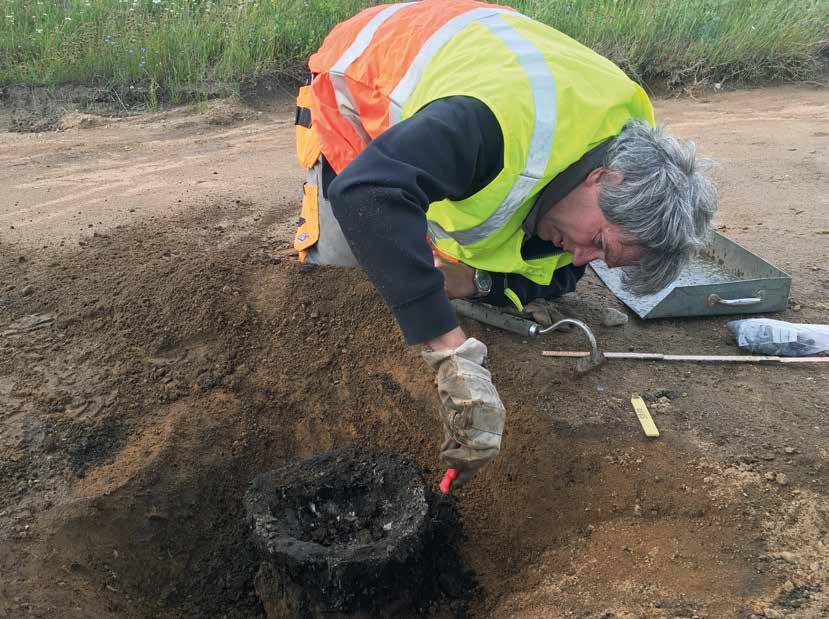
<point>596,176</point>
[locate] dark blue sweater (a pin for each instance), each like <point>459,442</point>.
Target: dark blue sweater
<point>451,149</point>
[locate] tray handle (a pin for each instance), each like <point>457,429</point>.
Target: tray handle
<point>715,299</point>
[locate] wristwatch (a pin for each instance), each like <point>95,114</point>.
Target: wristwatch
<point>483,282</point>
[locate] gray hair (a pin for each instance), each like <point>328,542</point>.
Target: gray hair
<point>664,202</point>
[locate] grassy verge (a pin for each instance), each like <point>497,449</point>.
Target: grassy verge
<point>175,48</point>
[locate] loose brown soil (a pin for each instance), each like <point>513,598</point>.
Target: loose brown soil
<point>159,349</point>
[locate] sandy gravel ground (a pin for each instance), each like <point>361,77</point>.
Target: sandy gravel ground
<point>159,347</point>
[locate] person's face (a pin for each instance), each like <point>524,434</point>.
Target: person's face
<point>577,225</point>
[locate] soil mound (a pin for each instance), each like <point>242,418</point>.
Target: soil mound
<point>149,374</point>
<point>179,367</point>
<point>79,120</point>
<point>35,109</point>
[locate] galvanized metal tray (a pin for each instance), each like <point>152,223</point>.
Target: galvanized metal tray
<point>724,279</point>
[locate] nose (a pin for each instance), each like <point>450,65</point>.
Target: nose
<point>583,255</point>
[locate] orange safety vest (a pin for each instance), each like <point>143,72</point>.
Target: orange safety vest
<point>553,98</point>
<point>361,63</point>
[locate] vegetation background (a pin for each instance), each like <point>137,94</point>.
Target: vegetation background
<point>190,49</point>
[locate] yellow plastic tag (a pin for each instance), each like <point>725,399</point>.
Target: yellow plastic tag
<point>645,419</point>
<point>510,294</point>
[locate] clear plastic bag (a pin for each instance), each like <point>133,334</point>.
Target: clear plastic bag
<point>775,337</point>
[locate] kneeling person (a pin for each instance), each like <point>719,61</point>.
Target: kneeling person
<point>460,149</point>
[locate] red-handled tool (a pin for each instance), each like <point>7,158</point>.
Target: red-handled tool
<point>448,477</point>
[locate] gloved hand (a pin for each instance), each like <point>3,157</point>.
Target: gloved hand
<point>472,413</point>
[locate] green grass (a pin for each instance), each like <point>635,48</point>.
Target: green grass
<point>175,48</point>
<point>682,41</point>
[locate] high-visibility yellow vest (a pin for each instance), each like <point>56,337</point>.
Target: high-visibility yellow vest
<point>554,99</point>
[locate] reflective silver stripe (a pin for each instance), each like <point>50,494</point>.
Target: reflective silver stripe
<point>435,231</point>
<point>364,37</point>
<point>432,46</point>
<point>345,102</point>
<point>543,87</point>
<point>347,107</point>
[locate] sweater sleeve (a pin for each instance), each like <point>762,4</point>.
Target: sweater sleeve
<point>452,148</point>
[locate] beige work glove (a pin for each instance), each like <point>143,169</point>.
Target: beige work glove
<point>472,413</point>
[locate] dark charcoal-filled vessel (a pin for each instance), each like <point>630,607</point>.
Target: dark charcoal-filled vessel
<point>351,534</point>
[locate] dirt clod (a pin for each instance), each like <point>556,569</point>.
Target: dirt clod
<point>612,317</point>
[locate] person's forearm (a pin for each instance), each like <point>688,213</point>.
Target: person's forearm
<point>448,341</point>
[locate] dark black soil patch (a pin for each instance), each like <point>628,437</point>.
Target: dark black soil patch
<point>93,443</point>
<point>351,531</point>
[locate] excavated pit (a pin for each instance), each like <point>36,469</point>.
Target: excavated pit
<point>350,534</point>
